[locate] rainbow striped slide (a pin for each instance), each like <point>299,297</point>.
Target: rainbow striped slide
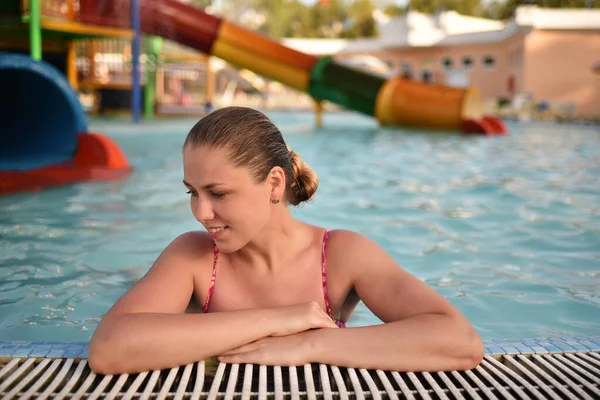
<point>394,102</point>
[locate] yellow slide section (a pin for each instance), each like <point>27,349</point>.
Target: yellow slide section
<point>409,103</point>
<point>263,56</point>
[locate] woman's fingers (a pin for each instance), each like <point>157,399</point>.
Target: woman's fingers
<point>244,349</point>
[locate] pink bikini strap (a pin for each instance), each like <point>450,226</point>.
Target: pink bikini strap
<point>324,271</point>
<point>211,288</point>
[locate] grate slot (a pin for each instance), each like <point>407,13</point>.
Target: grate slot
<point>310,383</point>
<point>339,383</point>
<point>72,383</point>
<point>387,385</point>
<point>403,387</point>
<point>370,384</point>
<point>10,367</point>
<point>563,367</point>
<point>596,356</point>
<point>86,383</point>
<point>166,386</point>
<point>100,387</point>
<point>231,384</point>
<point>453,389</point>
<point>278,388</point>
<point>200,371</point>
<point>28,378</point>
<point>494,382</point>
<point>135,385</point>
<point>216,383</point>
<point>247,386</point>
<point>151,385</point>
<point>118,387</point>
<point>12,377</point>
<point>584,372</point>
<point>535,379</point>
<point>36,386</point>
<point>184,382</point>
<point>506,373</point>
<point>62,374</point>
<point>419,386</point>
<point>356,384</point>
<point>467,386</point>
<point>325,385</point>
<point>436,388</point>
<point>262,382</point>
<point>294,387</point>
<point>572,385</point>
<point>588,362</point>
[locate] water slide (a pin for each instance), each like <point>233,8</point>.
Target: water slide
<point>44,138</point>
<point>394,102</point>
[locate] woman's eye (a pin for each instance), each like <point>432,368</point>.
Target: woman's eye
<point>191,192</point>
<point>218,195</point>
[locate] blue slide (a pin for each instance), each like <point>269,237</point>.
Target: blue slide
<point>40,114</point>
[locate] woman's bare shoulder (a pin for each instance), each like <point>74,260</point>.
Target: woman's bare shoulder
<point>349,248</point>
<point>190,246</point>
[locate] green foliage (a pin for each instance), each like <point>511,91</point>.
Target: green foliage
<point>361,21</point>
<point>354,18</point>
<point>495,9</point>
<point>394,10</point>
<point>466,7</point>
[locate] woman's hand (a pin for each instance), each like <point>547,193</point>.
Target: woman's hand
<point>292,350</point>
<point>301,317</point>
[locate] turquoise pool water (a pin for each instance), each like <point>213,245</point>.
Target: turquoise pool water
<point>508,228</point>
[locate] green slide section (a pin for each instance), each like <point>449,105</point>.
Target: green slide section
<point>345,86</point>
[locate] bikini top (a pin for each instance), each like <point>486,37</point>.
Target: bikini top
<point>341,324</point>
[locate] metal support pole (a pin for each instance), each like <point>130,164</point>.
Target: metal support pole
<point>135,61</point>
<point>35,29</point>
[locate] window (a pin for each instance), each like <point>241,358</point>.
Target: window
<point>467,62</point>
<point>489,62</point>
<point>427,76</point>
<point>447,63</point>
<point>407,70</point>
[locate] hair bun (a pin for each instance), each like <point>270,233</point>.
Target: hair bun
<point>304,181</point>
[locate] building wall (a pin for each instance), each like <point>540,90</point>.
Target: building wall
<point>558,68</point>
<point>552,65</point>
<point>492,81</point>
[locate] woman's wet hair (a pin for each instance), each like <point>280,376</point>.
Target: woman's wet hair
<point>254,142</point>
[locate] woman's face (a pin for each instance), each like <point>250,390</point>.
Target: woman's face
<point>226,200</point>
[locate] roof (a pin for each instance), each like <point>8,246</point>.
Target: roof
<point>558,18</point>
<point>450,28</point>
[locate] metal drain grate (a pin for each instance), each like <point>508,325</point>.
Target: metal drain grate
<point>550,376</point>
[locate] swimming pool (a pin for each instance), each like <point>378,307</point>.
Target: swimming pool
<point>507,228</point>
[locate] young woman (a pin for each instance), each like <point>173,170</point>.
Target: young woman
<point>276,291</point>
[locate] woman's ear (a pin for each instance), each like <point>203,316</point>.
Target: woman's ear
<point>276,182</point>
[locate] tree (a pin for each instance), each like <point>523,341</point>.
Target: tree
<point>300,22</point>
<point>506,9</point>
<point>465,7</point>
<point>393,10</point>
<point>329,18</point>
<point>361,21</point>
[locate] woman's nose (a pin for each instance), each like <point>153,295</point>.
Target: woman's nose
<point>204,211</point>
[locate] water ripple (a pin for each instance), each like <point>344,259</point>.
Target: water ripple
<point>508,229</point>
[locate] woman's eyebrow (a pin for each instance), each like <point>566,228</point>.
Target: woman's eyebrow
<point>205,187</point>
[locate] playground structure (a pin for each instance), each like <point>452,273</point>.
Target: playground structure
<point>58,34</point>
<point>174,81</point>
<point>45,139</point>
